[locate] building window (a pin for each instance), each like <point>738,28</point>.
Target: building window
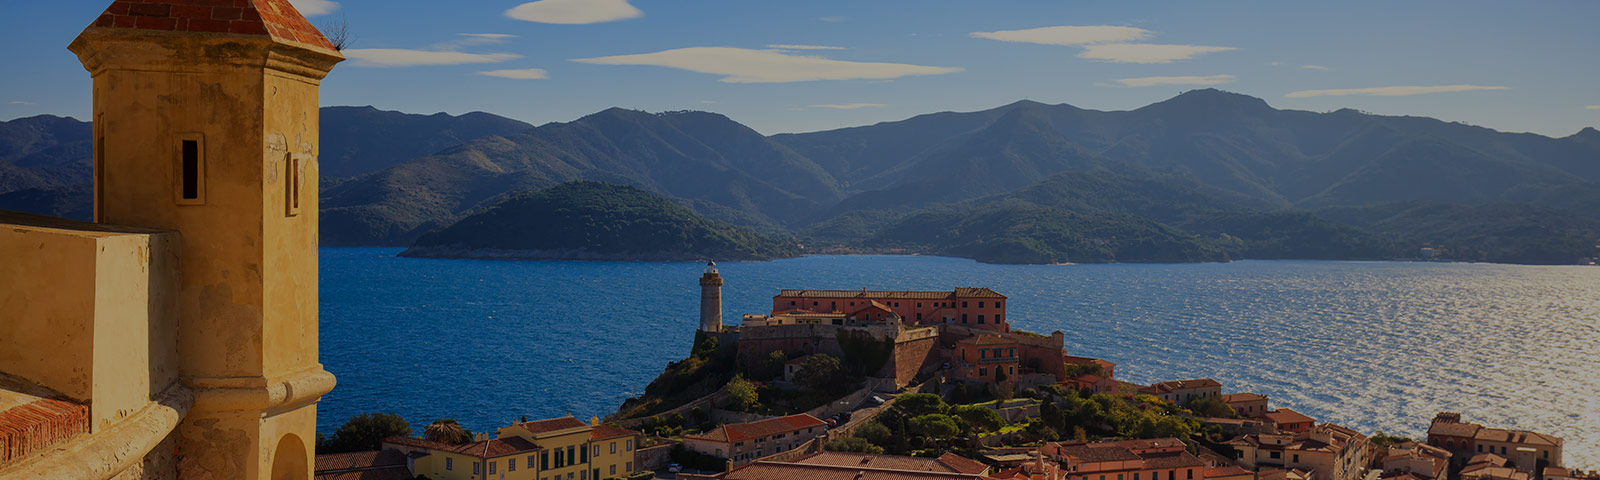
<point>982,354</point>
<point>1012,351</point>
<point>630,467</point>
<point>1190,473</point>
<point>449,463</point>
<point>919,315</point>
<point>1011,371</point>
<point>476,467</point>
<point>997,317</point>
<point>583,454</point>
<point>980,304</point>
<point>597,450</point>
<point>1296,458</point>
<point>491,467</point>
<point>613,447</point>
<point>980,319</point>
<point>983,371</point>
<point>613,470</point>
<point>919,304</point>
<point>964,305</point>
<point>570,475</point>
<point>544,460</point>
<point>559,458</point>
<point>583,475</point>
<point>511,464</point>
<point>963,318</point>
<point>530,462</point>
<point>191,187</point>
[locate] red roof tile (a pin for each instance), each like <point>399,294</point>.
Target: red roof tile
<point>739,432</point>
<point>961,292</point>
<point>498,447</point>
<point>275,18</point>
<point>553,424</point>
<point>948,463</point>
<point>357,460</point>
<point>1283,415</point>
<point>602,432</point>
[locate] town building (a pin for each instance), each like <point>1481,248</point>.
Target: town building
<point>711,299</point>
<point>980,308</point>
<point>743,443</point>
<point>1425,461</point>
<point>856,466</point>
<point>184,319</point>
<point>1288,420</point>
<point>985,358</point>
<point>1106,369</point>
<point>1524,450</point>
<point>1488,466</point>
<point>1181,392</point>
<point>1247,404</point>
<point>1229,472</point>
<point>1327,452</point>
<point>372,465</point>
<point>1147,459</point>
<point>563,448</point>
<point>1093,384</point>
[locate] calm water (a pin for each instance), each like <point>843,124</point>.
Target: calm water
<point>1372,345</point>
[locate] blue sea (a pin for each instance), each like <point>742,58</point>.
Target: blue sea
<point>1371,345</point>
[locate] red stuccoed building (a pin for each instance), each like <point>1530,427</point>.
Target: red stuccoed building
<point>979,308</point>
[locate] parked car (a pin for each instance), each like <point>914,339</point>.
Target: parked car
<point>832,423</point>
<point>674,468</point>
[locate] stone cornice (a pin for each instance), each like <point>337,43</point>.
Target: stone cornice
<point>226,394</point>
<point>102,49</point>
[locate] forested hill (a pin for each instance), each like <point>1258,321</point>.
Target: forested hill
<point>588,220</point>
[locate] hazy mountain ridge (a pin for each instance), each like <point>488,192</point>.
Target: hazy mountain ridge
<point>1205,175</point>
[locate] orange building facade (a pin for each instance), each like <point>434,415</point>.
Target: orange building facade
<point>979,308</point>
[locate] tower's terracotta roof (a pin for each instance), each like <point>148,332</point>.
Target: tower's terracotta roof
<point>273,18</point>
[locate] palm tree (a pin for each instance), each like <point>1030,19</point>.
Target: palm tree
<point>445,431</point>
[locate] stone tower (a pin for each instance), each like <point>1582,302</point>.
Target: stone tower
<point>205,122</point>
<point>711,299</point>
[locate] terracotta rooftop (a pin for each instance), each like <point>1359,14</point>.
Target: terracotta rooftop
<point>358,460</point>
<point>274,18</point>
<point>948,463</point>
<point>602,432</point>
<point>738,432</point>
<point>1451,429</point>
<point>960,292</point>
<point>498,447</point>
<point>1171,385</point>
<point>1284,415</point>
<point>1242,397</point>
<point>764,470</point>
<point>1228,471</point>
<point>1516,436</point>
<point>553,424</point>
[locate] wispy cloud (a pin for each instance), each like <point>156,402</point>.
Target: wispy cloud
<point>472,40</point>
<point>312,8</point>
<point>804,47</point>
<point>708,101</point>
<point>519,74</point>
<point>574,12</point>
<point>743,65</point>
<point>848,106</point>
<point>1590,107</point>
<point>1068,35</point>
<point>1396,91</point>
<point>489,36</point>
<point>834,19</point>
<point>1314,67</point>
<point>400,57</point>
<point>1176,80</point>
<point>20,102</point>
<point>1146,52</point>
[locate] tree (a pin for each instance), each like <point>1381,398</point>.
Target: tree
<point>935,426</point>
<point>820,373</point>
<point>445,431</point>
<point>774,366</point>
<point>980,418</point>
<point>875,432</point>
<point>743,392</point>
<point>1212,407</point>
<point>852,444</point>
<point>919,404</point>
<point>365,432</point>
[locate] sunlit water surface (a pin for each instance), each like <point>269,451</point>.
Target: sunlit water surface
<point>1371,345</point>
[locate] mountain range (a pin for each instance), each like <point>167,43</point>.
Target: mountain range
<point>1205,175</point>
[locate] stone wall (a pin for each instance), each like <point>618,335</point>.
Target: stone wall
<point>913,358</point>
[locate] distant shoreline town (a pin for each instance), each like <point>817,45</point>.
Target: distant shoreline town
<point>866,384</point>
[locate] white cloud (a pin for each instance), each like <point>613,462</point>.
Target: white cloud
<point>1314,67</point>
<point>708,101</point>
<point>489,36</point>
<point>804,47</point>
<point>835,19</point>
<point>1590,107</point>
<point>1146,52</point>
<point>574,12</point>
<point>848,106</point>
<point>743,65</point>
<point>519,74</point>
<point>1397,91</point>
<point>1178,80</point>
<point>312,8</point>
<point>20,102</point>
<point>400,57</point>
<point>1068,35</point>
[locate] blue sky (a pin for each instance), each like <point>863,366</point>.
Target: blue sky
<point>1514,66</point>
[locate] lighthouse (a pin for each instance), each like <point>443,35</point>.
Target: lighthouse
<point>711,299</point>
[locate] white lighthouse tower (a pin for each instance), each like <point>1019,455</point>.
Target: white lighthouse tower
<point>711,299</point>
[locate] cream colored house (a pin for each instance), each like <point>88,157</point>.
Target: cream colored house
<point>743,443</point>
<point>1327,451</point>
<point>563,448</point>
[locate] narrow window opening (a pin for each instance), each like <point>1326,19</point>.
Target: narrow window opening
<point>191,170</point>
<point>100,168</point>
